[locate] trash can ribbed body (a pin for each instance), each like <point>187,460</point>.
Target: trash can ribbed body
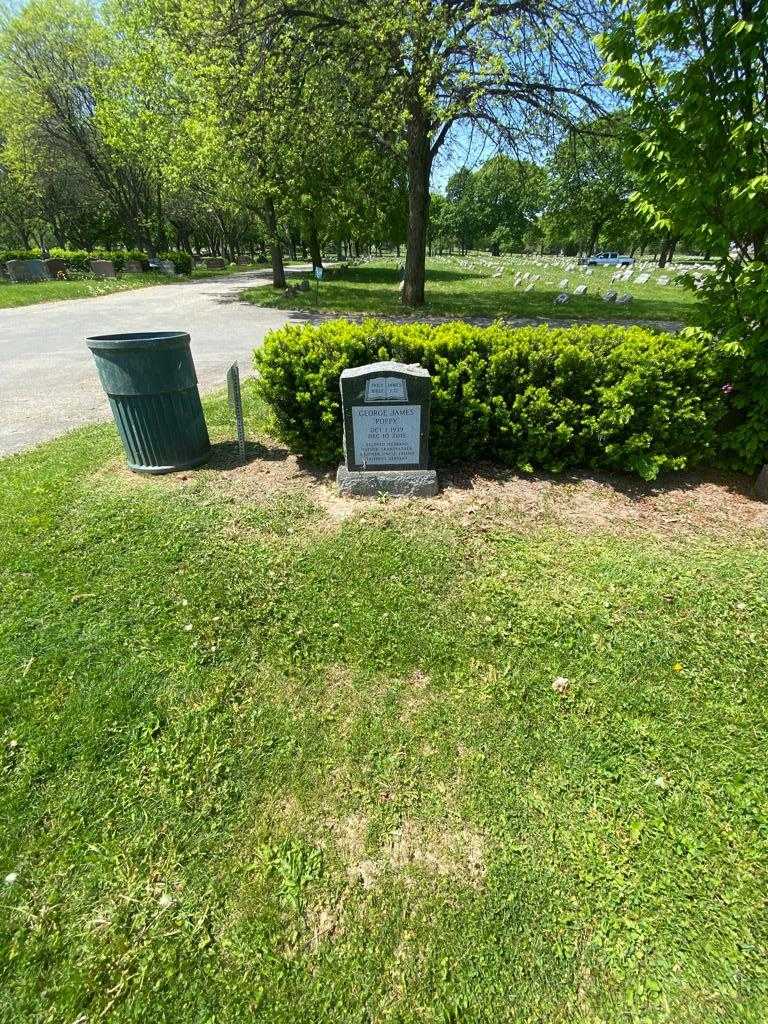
<point>152,387</point>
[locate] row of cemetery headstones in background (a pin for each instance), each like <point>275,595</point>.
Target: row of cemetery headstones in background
<point>33,271</point>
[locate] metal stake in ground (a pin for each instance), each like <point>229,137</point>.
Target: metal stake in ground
<point>236,405</point>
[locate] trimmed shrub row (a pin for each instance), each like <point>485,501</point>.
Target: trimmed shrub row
<point>80,259</point>
<point>617,398</point>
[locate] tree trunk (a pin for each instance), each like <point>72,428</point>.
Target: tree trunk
<point>594,234</point>
<point>314,243</point>
<point>419,167</point>
<point>276,249</point>
<point>668,247</point>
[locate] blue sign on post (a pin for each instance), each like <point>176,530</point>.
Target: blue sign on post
<point>319,273</point>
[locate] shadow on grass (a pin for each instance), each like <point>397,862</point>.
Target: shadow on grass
<point>380,296</point>
<point>226,456</point>
<point>391,275</point>
<point>467,476</point>
<point>471,475</point>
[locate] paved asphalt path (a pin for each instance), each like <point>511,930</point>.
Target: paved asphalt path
<point>48,381</point>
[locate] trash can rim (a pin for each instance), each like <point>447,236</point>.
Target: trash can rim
<point>137,339</point>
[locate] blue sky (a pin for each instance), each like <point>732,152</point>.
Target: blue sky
<point>464,147</point>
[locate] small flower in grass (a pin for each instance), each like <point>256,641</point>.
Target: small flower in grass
<point>678,666</point>
<point>188,628</point>
<point>10,878</point>
<point>727,389</point>
<point>165,901</point>
<point>561,684</point>
<point>661,782</point>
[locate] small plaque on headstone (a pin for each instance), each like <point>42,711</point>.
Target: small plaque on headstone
<point>236,405</point>
<point>386,430</point>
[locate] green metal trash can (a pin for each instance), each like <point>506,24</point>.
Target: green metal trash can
<point>152,387</point>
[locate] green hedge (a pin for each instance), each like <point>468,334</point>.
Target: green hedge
<point>619,398</point>
<point>182,260</point>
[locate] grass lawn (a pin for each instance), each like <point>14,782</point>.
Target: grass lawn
<point>12,295</point>
<point>468,287</point>
<point>271,756</point>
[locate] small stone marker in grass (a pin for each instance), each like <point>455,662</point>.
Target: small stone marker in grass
<point>663,280</point>
<point>563,284</point>
<point>580,289</point>
<point>624,300</point>
<point>642,278</point>
<point>562,298</point>
<point>133,267</point>
<point>103,268</point>
<point>385,409</point>
<point>610,296</point>
<point>26,271</point>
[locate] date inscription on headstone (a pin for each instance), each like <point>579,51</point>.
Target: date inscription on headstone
<point>386,435</point>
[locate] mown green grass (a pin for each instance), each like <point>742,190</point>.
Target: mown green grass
<point>12,295</point>
<point>258,765</point>
<point>456,290</point>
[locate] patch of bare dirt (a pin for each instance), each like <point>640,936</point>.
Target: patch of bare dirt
<point>682,503</point>
<point>483,496</point>
<point>432,847</point>
<point>456,854</point>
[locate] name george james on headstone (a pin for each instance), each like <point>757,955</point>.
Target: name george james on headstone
<point>386,430</point>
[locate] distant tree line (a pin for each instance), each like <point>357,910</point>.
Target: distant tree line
<point>270,128</point>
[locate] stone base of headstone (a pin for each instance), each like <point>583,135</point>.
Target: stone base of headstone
<point>761,484</point>
<point>411,483</point>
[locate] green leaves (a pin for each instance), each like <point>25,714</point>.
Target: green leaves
<point>617,398</point>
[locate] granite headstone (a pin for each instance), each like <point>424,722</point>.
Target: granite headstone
<point>26,271</point>
<point>386,430</point>
<point>103,268</point>
<point>55,267</point>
